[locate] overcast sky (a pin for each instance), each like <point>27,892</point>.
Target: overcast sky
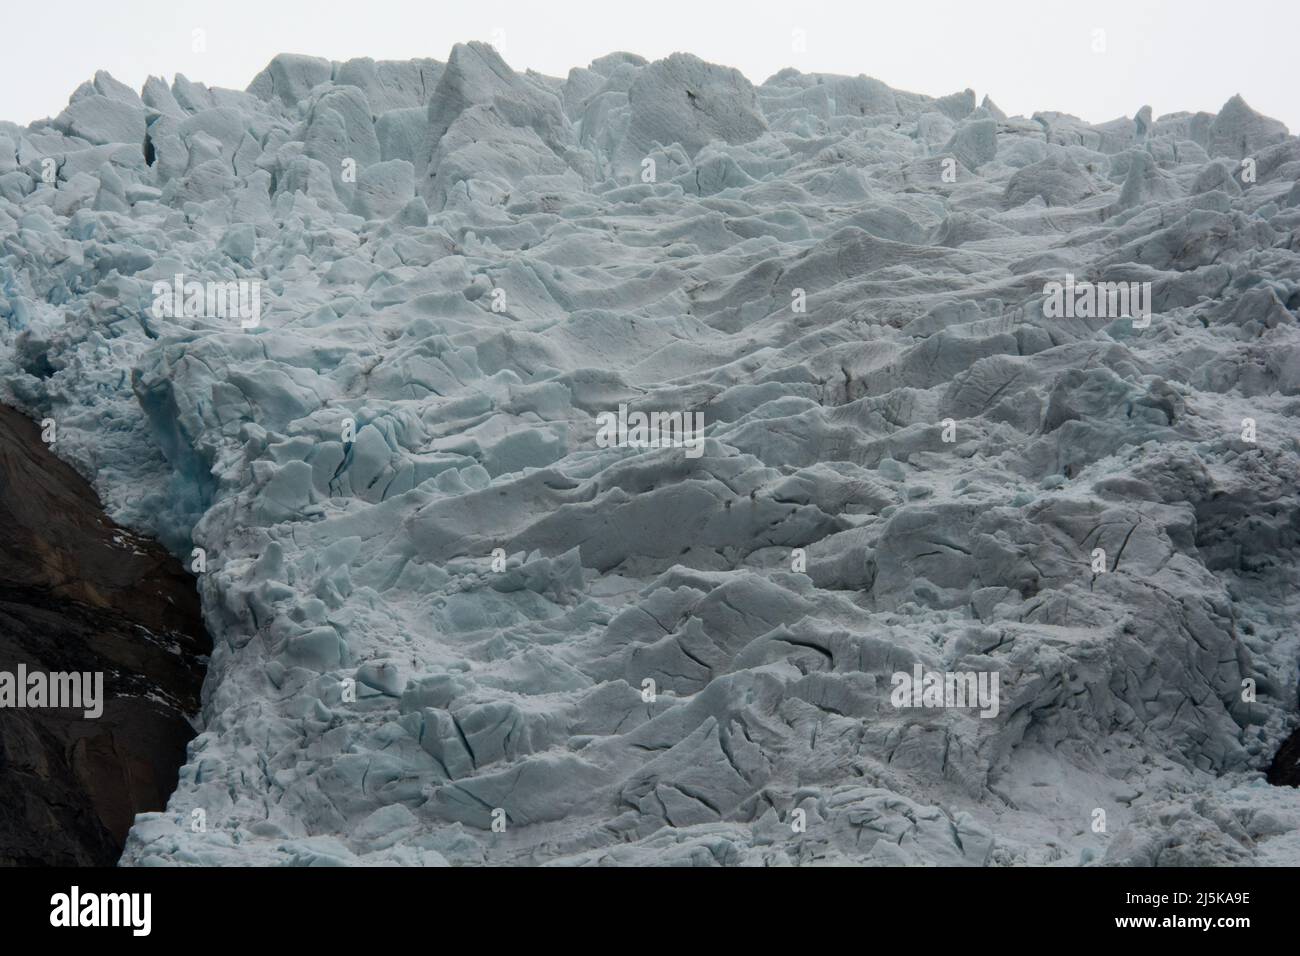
<point>1025,54</point>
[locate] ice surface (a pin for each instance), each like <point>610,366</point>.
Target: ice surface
<point>438,601</point>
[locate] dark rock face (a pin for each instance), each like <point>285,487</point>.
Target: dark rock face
<point>79,594</point>
<point>1285,769</point>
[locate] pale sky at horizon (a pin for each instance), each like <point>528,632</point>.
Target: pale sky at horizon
<point>1026,55</point>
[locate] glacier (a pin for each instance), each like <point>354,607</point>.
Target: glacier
<point>451,627</point>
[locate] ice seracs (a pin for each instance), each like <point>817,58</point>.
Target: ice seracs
<point>454,626</point>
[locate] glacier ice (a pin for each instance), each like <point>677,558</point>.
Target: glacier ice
<point>452,628</point>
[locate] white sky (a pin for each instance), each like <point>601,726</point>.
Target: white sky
<point>1027,55</point>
